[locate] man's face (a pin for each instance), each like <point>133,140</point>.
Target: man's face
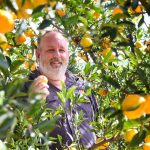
<point>53,55</point>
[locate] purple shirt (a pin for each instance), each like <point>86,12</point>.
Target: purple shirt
<point>64,125</point>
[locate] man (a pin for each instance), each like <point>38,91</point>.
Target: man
<point>52,56</point>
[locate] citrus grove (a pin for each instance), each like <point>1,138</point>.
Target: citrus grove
<point>110,44</point>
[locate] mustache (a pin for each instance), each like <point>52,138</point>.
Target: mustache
<point>55,60</point>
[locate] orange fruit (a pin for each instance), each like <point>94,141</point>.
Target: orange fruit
<point>105,52</point>
<point>26,5</point>
<point>117,11</point>
<point>147,139</point>
<point>103,92</point>
<point>29,55</point>
<point>26,64</point>
<point>96,15</point>
<point>138,9</point>
<point>6,21</point>
<point>43,78</point>
<point>29,66</point>
<point>129,134</point>
<point>133,106</point>
<point>37,3</point>
<point>146,146</point>
<point>61,12</point>
<point>52,3</point>
<point>33,66</point>
<point>85,58</point>
<point>3,41</point>
<point>103,146</point>
<point>20,39</point>
<point>14,15</point>
<point>138,44</point>
<point>86,42</point>
<point>23,13</point>
<point>29,32</point>
<point>147,104</point>
<point>147,42</point>
<point>132,101</point>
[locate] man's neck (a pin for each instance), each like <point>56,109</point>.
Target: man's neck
<point>57,83</point>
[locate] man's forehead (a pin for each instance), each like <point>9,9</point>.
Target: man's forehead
<point>54,35</point>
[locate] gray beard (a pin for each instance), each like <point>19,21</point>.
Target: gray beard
<point>53,73</point>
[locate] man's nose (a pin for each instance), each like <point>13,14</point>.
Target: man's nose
<point>57,53</point>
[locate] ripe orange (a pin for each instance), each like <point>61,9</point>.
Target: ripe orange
<point>133,106</point>
<point>117,11</point>
<point>29,66</point>
<point>147,42</point>
<point>138,44</point>
<point>29,33</point>
<point>96,15</point>
<point>6,21</point>
<point>132,101</point>
<point>52,3</point>
<point>29,55</point>
<point>138,9</point>
<point>3,41</point>
<point>86,42</point>
<point>37,3</point>
<point>61,12</point>
<point>26,5</point>
<point>103,146</point>
<point>146,146</point>
<point>33,66</point>
<point>129,134</point>
<point>43,78</point>
<point>147,139</point>
<point>103,92</point>
<point>23,13</point>
<point>85,58</point>
<point>20,39</point>
<point>105,52</point>
<point>147,104</point>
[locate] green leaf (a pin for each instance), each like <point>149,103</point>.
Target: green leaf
<point>72,20</point>
<point>64,91</point>
<point>141,21</point>
<point>38,9</point>
<point>130,124</point>
<point>7,123</point>
<point>88,92</point>
<point>83,20</point>
<point>70,92</point>
<point>44,24</point>
<point>107,57</point>
<point>61,96</point>
<point>87,68</point>
<point>123,44</point>
<point>46,125</point>
<point>138,139</point>
<point>60,139</point>
<point>4,65</point>
<point>111,81</point>
<point>15,65</point>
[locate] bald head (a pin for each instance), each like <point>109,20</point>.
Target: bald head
<point>51,36</point>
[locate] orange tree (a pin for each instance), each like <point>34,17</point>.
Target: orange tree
<point>109,39</point>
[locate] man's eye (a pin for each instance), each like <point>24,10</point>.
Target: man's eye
<point>50,50</point>
<point>62,50</point>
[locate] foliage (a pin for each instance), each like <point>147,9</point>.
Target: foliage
<point>118,61</point>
